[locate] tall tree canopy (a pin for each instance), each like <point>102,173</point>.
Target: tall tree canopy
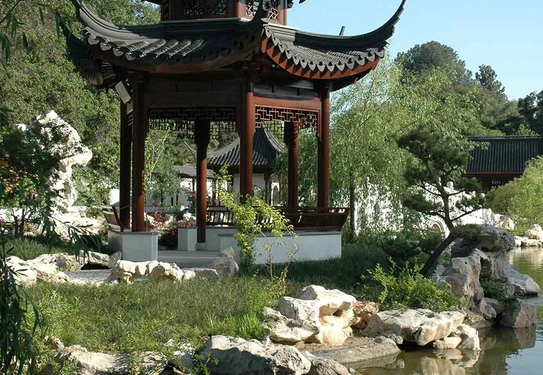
<point>40,77</point>
<point>433,55</point>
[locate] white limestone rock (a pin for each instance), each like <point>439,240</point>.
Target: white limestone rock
<point>63,261</point>
<point>363,310</point>
<point>94,363</point>
<point>523,315</point>
<point>73,153</point>
<point>285,330</point>
<point>93,258</point>
<point>535,232</point>
<point>463,276</point>
<point>486,309</point>
<point>469,337</point>
<point>166,272</point>
<point>50,273</point>
<point>327,366</point>
<point>420,326</point>
<point>447,343</point>
<point>236,356</point>
<point>226,266</point>
<point>228,253</point>
<point>328,301</point>
<point>523,284</point>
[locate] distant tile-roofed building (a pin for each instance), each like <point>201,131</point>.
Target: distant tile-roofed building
<point>499,160</point>
<point>266,147</point>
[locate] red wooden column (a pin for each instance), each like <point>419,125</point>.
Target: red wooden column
<point>139,131</point>
<point>246,140</point>
<point>124,167</point>
<point>201,137</point>
<point>323,180</point>
<point>291,140</point>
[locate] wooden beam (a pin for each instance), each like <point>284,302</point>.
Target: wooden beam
<point>139,130</point>
<point>291,140</point>
<point>323,180</point>
<point>201,137</point>
<point>302,104</point>
<point>125,164</point>
<point>246,139</point>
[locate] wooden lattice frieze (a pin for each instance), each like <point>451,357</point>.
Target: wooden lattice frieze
<point>165,9</point>
<point>272,6</point>
<point>181,120</point>
<point>203,8</point>
<point>271,116</point>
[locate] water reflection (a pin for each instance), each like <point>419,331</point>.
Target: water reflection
<point>504,351</point>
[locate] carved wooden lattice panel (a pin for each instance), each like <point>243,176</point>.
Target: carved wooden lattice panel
<point>273,117</point>
<point>272,6</point>
<point>203,8</point>
<point>165,9</point>
<point>181,120</point>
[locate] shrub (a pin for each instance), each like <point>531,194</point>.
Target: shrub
<point>527,203</point>
<point>410,249</point>
<point>251,217</point>
<point>497,290</point>
<point>499,198</point>
<point>408,289</point>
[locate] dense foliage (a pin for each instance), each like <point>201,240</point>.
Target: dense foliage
<point>251,217</point>
<point>522,199</point>
<point>19,319</point>
<point>30,160</point>
<point>39,77</point>
<point>407,288</point>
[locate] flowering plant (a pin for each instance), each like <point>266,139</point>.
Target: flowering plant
<point>187,221</point>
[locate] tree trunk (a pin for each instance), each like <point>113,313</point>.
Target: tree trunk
<point>435,255</point>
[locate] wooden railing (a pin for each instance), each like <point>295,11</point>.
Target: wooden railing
<point>322,219</point>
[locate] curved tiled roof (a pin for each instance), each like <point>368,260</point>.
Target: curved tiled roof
<point>202,45</point>
<point>324,57</point>
<point>265,149</point>
<point>503,155</point>
<point>174,42</point>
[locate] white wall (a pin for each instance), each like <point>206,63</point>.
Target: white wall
<point>305,246</point>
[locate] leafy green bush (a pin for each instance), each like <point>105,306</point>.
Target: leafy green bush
<point>521,199</point>
<point>408,289</point>
<point>527,203</point>
<point>251,216</point>
<point>410,249</point>
<point>497,290</point>
<point>499,198</point>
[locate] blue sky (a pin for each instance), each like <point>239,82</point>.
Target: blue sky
<point>507,35</point>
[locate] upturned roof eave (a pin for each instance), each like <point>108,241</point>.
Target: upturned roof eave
<point>341,59</point>
<point>327,57</point>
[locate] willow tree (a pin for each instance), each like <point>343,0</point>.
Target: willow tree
<point>365,159</point>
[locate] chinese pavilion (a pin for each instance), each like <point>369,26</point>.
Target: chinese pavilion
<point>212,66</point>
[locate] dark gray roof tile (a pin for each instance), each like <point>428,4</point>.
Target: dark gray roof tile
<point>265,149</point>
<point>503,155</point>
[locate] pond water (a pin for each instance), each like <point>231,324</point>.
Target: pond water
<point>504,351</point>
